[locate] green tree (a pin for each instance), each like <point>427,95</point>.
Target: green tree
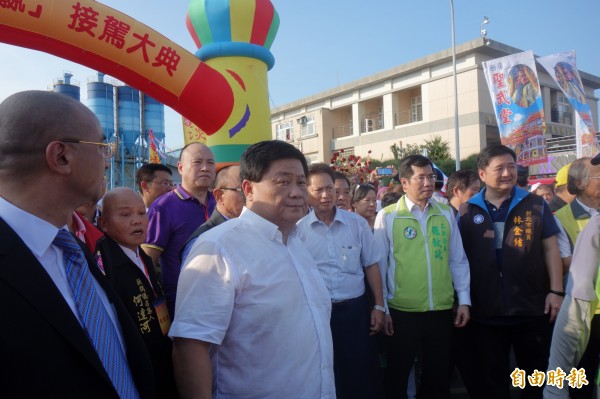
<point>399,151</point>
<point>437,149</point>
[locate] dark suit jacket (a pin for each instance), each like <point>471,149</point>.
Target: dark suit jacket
<point>215,219</point>
<point>138,295</point>
<point>44,350</point>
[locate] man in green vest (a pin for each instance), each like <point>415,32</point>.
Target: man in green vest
<point>423,263</point>
<point>583,182</point>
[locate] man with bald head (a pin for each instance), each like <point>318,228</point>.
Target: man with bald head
<point>69,335</point>
<point>175,215</point>
<point>124,222</point>
<point>230,201</point>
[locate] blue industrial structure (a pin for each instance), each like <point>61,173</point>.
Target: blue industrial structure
<point>126,117</point>
<point>128,120</point>
<point>67,86</point>
<point>100,100</point>
<point>154,118</point>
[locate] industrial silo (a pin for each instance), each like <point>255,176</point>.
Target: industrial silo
<point>128,118</point>
<point>101,102</point>
<point>153,118</point>
<point>67,86</point>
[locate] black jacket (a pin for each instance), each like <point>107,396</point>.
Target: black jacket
<point>44,350</point>
<point>132,286</point>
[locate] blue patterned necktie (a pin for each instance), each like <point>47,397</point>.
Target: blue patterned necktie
<point>96,321</point>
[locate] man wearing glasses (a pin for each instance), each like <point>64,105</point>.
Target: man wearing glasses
<point>68,328</point>
<point>424,263</point>
<point>153,180</point>
<point>230,201</point>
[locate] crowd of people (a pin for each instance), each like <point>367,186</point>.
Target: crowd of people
<point>276,279</point>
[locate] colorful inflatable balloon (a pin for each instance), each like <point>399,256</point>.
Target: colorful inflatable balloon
<point>225,96</point>
<point>234,38</point>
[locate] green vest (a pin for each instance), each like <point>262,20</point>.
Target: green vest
<point>572,226</point>
<point>422,276</point>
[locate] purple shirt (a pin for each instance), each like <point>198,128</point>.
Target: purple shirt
<point>173,218</point>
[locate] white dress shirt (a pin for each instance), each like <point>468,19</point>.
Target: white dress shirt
<point>37,234</point>
<point>341,251</point>
<point>263,306</point>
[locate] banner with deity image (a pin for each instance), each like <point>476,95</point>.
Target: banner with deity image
<point>563,69</point>
<point>517,99</point>
<point>156,153</point>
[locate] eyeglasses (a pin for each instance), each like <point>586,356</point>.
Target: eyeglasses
<point>238,189</point>
<point>422,179</point>
<point>108,149</point>
<point>164,183</point>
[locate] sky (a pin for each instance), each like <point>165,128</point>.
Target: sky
<point>322,44</point>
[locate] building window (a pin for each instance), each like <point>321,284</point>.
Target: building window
<point>307,126</point>
<point>285,131</point>
<point>561,110</point>
<point>312,158</point>
<point>416,109</point>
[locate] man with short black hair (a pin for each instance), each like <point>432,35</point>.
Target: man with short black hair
<point>253,312</point>
<point>424,262</point>
<point>152,181</point>
<point>343,246</point>
<point>342,191</point>
<point>509,236</point>
<point>462,185</point>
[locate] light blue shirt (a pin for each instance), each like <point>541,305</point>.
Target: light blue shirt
<point>263,306</point>
<point>341,251</point>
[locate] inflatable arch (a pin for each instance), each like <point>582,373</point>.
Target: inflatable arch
<point>222,88</point>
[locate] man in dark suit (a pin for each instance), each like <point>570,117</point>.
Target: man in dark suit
<point>131,272</point>
<point>230,201</point>
<point>52,159</point>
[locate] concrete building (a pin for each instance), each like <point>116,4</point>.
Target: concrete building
<point>413,102</point>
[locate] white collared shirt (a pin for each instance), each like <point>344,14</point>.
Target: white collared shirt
<point>134,256</point>
<point>37,234</point>
<point>341,251</point>
<point>263,306</point>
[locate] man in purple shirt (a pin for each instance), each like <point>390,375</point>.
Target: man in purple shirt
<point>174,216</point>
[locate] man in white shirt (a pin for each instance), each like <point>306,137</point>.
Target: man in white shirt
<point>252,312</point>
<point>52,160</point>
<point>343,246</point>
<point>424,262</point>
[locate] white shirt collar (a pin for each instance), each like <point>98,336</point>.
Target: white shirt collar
<point>269,229</point>
<point>338,217</point>
<point>410,204</point>
<point>132,255</point>
<point>36,233</point>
